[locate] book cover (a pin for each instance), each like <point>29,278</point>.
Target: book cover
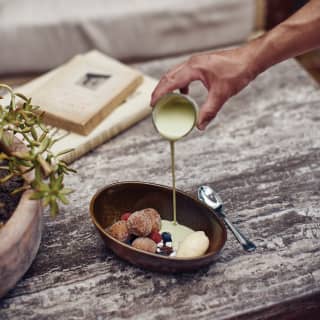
<point>83,92</point>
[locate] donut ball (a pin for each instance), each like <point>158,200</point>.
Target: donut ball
<point>139,224</point>
<point>155,219</point>
<point>119,230</point>
<point>145,244</point>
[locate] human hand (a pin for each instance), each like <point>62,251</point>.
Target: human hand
<point>223,73</point>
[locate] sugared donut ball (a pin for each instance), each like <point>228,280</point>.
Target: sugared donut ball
<point>155,219</point>
<point>145,244</point>
<point>119,230</point>
<point>139,224</point>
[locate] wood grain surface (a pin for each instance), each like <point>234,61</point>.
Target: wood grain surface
<point>262,153</point>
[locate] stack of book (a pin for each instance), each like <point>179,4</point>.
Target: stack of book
<point>89,100</point>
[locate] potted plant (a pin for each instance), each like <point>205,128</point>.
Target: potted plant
<point>31,177</point>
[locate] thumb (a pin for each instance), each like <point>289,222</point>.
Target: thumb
<point>209,110</point>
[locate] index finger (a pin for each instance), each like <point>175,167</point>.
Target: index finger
<point>174,80</point>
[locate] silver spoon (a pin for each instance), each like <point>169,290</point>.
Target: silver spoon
<point>213,200</point>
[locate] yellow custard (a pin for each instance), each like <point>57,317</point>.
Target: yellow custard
<point>178,232</point>
<point>174,116</point>
<point>175,119</point>
<point>173,173</point>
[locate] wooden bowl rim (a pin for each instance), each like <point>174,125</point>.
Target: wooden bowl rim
<point>97,225</point>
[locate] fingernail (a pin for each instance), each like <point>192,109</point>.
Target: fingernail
<point>203,125</point>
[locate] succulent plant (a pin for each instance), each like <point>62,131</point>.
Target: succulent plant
<point>22,119</point>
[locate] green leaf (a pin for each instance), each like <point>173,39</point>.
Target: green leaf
<point>44,145</point>
<point>59,182</point>
<point>6,140</point>
<point>37,170</point>
<point>43,187</point>
<point>68,170</point>
<point>63,198</point>
<point>54,209</point>
<point>22,96</point>
<point>64,152</point>
<point>4,86</point>
<point>34,133</point>
<point>12,102</point>
<point>3,156</point>
<point>61,137</point>
<point>43,135</point>
<point>46,201</point>
<point>22,155</point>
<point>45,166</point>
<point>66,191</point>
<point>18,190</point>
<point>36,196</point>
<point>42,126</point>
<point>6,178</point>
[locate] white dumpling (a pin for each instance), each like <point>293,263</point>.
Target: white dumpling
<point>194,245</point>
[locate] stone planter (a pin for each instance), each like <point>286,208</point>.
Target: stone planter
<point>20,237</point>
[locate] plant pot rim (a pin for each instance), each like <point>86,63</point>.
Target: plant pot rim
<point>20,236</point>
<point>17,224</point>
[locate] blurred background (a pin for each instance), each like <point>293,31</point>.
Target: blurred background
<point>38,35</point>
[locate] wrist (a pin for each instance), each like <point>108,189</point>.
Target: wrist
<point>257,60</point>
<point>269,49</point>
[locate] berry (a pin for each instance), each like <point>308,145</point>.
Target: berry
<point>131,238</point>
<point>165,251</point>
<point>166,236</point>
<point>126,216</point>
<point>155,236</point>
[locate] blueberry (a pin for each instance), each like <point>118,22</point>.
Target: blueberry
<point>131,239</point>
<point>166,236</point>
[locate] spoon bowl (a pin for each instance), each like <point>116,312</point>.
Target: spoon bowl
<point>212,199</point>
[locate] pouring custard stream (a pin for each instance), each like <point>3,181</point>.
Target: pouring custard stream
<point>174,117</point>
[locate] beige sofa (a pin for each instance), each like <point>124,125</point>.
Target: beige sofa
<point>37,35</point>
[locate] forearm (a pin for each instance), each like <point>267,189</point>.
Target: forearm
<point>225,73</point>
<point>294,36</point>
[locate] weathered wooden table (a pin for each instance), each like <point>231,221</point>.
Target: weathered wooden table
<point>263,155</point>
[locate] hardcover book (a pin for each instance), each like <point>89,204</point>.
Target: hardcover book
<point>80,94</point>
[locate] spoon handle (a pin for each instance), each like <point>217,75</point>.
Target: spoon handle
<point>246,244</point>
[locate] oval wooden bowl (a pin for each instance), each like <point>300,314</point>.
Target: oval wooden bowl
<point>20,237</point>
<point>109,203</point>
